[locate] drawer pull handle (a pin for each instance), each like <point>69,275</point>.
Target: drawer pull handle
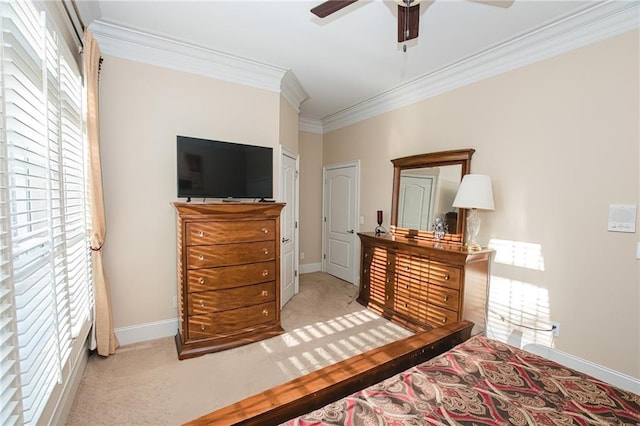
<point>202,303</point>
<point>265,312</point>
<point>406,286</point>
<point>366,255</point>
<point>387,297</point>
<point>265,273</point>
<point>444,320</point>
<point>366,271</point>
<point>265,231</point>
<point>202,327</point>
<point>201,257</point>
<point>446,277</point>
<point>406,305</point>
<point>265,251</point>
<point>201,234</point>
<point>445,298</point>
<point>265,293</point>
<point>201,280</point>
<point>407,268</point>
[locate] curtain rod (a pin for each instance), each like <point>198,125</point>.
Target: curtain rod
<point>73,18</point>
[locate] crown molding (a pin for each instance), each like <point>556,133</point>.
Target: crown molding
<point>596,23</point>
<point>310,125</point>
<point>138,46</point>
<point>292,90</point>
<point>126,43</point>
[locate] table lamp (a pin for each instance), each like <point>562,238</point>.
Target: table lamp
<point>474,193</point>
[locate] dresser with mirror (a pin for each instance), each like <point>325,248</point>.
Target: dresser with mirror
<point>412,275</point>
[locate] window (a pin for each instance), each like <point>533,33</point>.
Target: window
<point>45,268</point>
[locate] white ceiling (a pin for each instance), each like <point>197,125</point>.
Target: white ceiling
<point>347,58</point>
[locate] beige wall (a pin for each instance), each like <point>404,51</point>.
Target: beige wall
<point>143,108</point>
<point>560,140</point>
<point>310,198</point>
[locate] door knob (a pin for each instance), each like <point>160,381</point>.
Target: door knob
<point>285,240</point>
<point>351,231</point>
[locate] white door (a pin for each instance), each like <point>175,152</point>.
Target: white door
<point>415,203</point>
<point>340,221</point>
<point>288,226</point>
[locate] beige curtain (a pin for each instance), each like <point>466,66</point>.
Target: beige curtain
<point>103,337</point>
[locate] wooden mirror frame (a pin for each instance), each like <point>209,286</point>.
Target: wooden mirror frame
<point>433,159</point>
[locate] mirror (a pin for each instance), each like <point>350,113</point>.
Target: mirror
<point>424,187</point>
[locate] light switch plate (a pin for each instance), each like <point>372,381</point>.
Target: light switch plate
<point>622,217</point>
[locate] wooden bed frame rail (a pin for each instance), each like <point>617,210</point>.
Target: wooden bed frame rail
<point>319,388</point>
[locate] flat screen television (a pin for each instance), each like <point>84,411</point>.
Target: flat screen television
<point>218,169</point>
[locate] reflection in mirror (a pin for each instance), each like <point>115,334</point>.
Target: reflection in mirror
<point>424,187</point>
<point>427,193</point>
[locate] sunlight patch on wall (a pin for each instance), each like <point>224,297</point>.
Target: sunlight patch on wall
<point>518,313</point>
<point>518,253</point>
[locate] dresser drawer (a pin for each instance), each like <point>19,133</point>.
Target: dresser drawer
<point>445,275</point>
<point>405,303</point>
<point>233,298</point>
<point>413,266</point>
<point>223,232</point>
<point>414,289</point>
<point>230,276</point>
<point>367,255</point>
<point>219,324</point>
<point>230,254</point>
<point>445,297</point>
<point>437,317</point>
<point>377,278</point>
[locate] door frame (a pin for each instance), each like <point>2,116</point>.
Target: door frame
<point>284,151</point>
<point>356,219</point>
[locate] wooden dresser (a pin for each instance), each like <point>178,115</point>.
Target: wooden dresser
<point>423,284</point>
<point>228,258</point>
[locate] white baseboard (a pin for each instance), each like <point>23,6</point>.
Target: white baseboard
<point>600,372</point>
<point>147,331</point>
<point>71,386</point>
<point>310,267</point>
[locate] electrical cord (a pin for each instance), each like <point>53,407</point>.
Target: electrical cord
<point>355,296</point>
<point>503,319</point>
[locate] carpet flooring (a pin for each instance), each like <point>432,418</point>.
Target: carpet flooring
<point>146,384</point>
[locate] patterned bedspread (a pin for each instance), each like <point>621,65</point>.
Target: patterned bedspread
<point>485,382</point>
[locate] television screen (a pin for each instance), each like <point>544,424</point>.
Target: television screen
<point>217,169</point>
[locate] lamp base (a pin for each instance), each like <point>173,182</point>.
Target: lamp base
<point>473,227</point>
<point>473,247</point>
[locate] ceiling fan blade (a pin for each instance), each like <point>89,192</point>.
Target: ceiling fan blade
<point>408,22</point>
<point>328,7</point>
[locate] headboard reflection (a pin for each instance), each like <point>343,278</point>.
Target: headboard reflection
<point>424,187</point>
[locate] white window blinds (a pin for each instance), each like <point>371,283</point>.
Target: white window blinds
<point>46,271</point>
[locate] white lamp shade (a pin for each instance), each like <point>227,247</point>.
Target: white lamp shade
<point>475,192</point>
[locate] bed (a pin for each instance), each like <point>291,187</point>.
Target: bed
<point>442,376</point>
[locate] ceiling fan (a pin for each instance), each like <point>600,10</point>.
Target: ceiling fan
<point>408,15</point>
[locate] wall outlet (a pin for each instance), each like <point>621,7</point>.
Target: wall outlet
<point>175,302</point>
<point>555,328</point>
